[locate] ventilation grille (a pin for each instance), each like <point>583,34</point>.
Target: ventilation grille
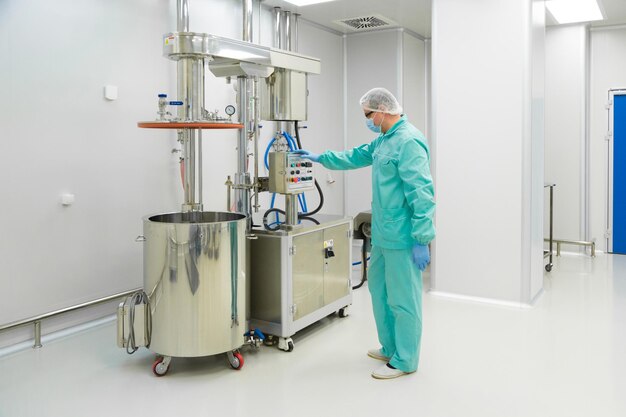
<point>366,23</point>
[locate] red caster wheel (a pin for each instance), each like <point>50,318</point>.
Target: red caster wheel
<point>235,359</point>
<point>161,365</point>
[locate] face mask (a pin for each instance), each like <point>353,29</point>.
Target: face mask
<point>371,126</point>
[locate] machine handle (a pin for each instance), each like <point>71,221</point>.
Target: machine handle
<point>140,238</point>
<point>252,237</point>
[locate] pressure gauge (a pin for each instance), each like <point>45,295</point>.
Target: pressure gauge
<point>230,110</point>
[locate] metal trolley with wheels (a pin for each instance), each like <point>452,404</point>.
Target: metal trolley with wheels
<point>300,276</point>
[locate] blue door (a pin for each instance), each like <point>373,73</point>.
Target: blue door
<point>619,174</point>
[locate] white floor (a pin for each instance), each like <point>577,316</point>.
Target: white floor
<point>565,357</point>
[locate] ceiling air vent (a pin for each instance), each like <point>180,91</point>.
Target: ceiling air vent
<point>366,22</point>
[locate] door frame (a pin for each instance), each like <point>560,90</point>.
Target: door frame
<point>610,138</point>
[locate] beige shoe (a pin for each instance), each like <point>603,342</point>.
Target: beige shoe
<point>385,372</point>
<point>375,353</point>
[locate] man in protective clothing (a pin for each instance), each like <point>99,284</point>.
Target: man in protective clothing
<point>402,226</point>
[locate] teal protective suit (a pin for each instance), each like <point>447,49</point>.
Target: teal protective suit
<point>402,215</point>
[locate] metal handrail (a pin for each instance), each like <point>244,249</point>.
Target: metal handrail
<point>36,320</point>
<point>558,242</point>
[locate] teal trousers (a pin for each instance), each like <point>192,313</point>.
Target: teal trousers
<point>395,284</point>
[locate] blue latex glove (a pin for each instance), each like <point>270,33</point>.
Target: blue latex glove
<point>308,155</point>
<point>421,256</point>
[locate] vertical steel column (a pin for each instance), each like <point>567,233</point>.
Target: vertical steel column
<point>182,16</point>
<point>190,85</point>
<point>277,28</point>
<point>291,209</point>
<point>242,192</point>
<point>294,44</point>
<point>287,30</point>
<point>247,20</point>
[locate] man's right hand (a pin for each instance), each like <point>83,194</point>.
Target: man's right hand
<point>308,155</point>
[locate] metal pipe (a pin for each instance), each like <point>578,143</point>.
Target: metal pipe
<point>247,20</point>
<point>66,310</point>
<point>182,16</point>
<point>242,192</point>
<point>291,209</point>
<point>257,116</point>
<point>277,27</point>
<point>294,45</point>
<point>287,30</point>
<point>37,343</point>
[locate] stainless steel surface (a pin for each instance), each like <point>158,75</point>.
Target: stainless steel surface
<point>194,275</point>
<point>290,173</point>
<point>256,122</point>
<point>182,16</point>
<point>266,278</point>
<point>337,269</point>
<point>37,344</point>
<point>247,21</point>
<point>291,210</point>
<point>277,28</point>
<point>287,17</point>
<point>285,96</point>
<point>292,282</point>
<point>308,278</point>
<point>560,242</point>
<point>36,320</point>
<point>225,51</point>
<point>294,42</point>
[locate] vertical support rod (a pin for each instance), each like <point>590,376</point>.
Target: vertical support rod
<point>277,28</point>
<point>255,93</point>
<point>291,209</point>
<point>287,30</point>
<point>294,45</point>
<point>37,344</point>
<point>247,20</point>
<point>242,192</point>
<point>182,16</point>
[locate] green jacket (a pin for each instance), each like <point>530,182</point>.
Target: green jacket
<point>403,203</point>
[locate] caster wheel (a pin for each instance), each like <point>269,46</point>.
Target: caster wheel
<point>235,359</point>
<point>285,344</point>
<point>269,340</point>
<point>160,367</point>
<point>343,312</point>
<point>549,267</point>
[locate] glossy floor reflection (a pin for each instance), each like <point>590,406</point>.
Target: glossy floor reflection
<point>564,357</point>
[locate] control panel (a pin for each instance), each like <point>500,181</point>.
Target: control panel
<point>290,173</point>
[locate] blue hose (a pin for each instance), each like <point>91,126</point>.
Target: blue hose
<point>292,147</point>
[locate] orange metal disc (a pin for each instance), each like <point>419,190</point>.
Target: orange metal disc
<point>188,125</point>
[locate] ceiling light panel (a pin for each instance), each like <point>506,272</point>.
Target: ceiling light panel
<point>574,11</point>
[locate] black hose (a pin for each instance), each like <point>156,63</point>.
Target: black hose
<point>317,185</point>
<point>266,224</point>
<point>311,219</point>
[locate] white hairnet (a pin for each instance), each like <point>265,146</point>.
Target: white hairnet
<point>380,100</point>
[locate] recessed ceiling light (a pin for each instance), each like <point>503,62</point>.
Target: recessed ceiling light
<point>574,11</point>
<point>306,2</point>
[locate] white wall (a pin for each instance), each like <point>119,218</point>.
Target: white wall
<point>414,80</point>
<point>566,78</point>
<point>60,135</point>
<point>487,102</point>
<point>324,127</point>
<point>396,61</point>
<point>608,71</point>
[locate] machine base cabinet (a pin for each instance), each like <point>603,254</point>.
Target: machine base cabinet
<point>298,277</point>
